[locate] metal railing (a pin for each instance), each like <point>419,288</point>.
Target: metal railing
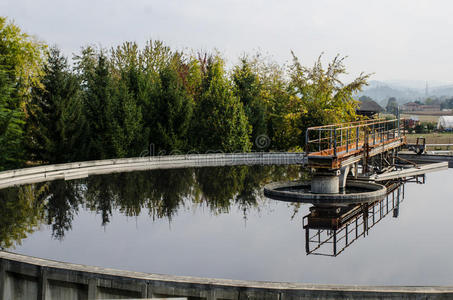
<point>349,137</point>
<point>332,242</point>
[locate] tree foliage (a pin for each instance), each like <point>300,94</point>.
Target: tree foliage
<point>115,103</point>
<point>172,112</point>
<point>220,122</point>
<point>248,88</point>
<point>97,100</point>
<point>392,106</point>
<point>56,124</point>
<point>11,125</point>
<point>21,56</point>
<point>319,97</point>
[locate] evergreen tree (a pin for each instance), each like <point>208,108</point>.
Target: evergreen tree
<point>248,90</point>
<point>126,125</point>
<point>220,123</point>
<point>11,125</point>
<point>97,103</point>
<point>56,124</point>
<point>129,136</point>
<point>172,108</point>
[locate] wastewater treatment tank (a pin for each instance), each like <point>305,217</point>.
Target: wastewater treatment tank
<point>198,223</point>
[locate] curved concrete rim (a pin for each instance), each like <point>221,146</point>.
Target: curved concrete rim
<point>377,192</point>
<point>75,170</point>
<point>232,289</point>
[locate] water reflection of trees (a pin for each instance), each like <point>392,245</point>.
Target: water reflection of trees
<point>20,213</point>
<point>62,202</point>
<point>159,193</point>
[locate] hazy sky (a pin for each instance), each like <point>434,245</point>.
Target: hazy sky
<point>410,40</point>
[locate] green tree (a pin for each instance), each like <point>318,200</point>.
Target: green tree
<point>172,108</point>
<point>274,93</point>
<point>126,125</point>
<point>392,106</point>
<point>56,125</point>
<point>365,98</point>
<point>93,69</point>
<point>248,90</point>
<point>21,57</point>
<point>11,125</point>
<point>219,120</point>
<point>129,133</point>
<point>319,97</point>
<point>447,103</point>
<point>21,60</point>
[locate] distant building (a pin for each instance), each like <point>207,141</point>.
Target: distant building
<point>431,107</point>
<point>412,106</point>
<point>368,108</point>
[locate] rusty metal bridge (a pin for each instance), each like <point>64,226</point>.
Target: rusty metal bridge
<point>329,231</point>
<point>335,146</point>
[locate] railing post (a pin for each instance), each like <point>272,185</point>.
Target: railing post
<point>394,130</point>
<point>381,134</point>
<point>330,138</point>
<point>306,141</point>
<point>335,242</point>
<point>398,120</point>
<point>347,140</point>
<point>374,135</point>
<point>319,140</point>
<point>346,234</point>
<point>334,142</point>
<point>357,138</point>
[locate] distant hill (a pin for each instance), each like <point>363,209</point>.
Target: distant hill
<point>442,90</point>
<point>404,91</point>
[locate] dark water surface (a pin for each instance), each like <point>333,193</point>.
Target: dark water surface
<point>214,222</point>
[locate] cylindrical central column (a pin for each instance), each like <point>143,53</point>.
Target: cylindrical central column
<point>325,182</point>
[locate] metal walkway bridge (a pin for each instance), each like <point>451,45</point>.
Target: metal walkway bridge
<point>339,145</point>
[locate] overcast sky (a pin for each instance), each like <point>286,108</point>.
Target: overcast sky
<point>407,39</point>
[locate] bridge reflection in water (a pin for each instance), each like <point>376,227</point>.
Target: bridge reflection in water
<point>329,230</point>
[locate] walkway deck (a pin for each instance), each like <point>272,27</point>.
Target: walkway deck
<point>339,145</point>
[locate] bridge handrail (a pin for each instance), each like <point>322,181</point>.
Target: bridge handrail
<point>339,124</point>
<point>329,139</point>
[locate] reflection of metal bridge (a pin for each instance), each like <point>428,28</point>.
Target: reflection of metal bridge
<point>330,230</point>
<point>339,145</point>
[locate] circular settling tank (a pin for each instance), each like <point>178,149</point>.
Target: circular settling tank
<point>356,191</point>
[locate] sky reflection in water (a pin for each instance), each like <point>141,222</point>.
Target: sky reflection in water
<point>215,222</point>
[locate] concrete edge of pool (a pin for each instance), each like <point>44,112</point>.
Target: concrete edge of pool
<point>26,277</point>
<point>70,171</point>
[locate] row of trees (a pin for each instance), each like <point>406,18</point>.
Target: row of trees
<point>115,103</point>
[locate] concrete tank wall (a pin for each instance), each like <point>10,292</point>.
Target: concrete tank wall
<point>76,170</point>
<point>24,277</point>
